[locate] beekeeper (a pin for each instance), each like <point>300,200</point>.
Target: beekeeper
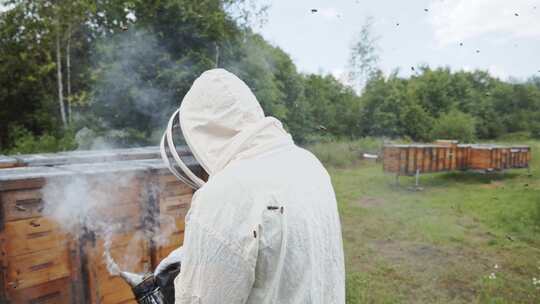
<point>265,227</point>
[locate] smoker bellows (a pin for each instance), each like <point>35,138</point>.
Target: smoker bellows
<point>449,155</point>
<point>42,263</point>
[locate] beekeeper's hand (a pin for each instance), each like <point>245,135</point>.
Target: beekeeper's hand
<point>174,257</point>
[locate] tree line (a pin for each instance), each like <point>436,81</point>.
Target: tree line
<point>89,74</point>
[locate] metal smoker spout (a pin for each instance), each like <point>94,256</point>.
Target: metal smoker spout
<point>150,289</point>
<point>144,288</point>
<point>133,279</point>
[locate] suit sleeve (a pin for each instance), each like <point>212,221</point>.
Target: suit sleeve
<point>214,270</point>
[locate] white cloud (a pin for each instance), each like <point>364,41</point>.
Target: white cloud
<point>459,20</point>
<point>498,72</point>
<point>341,76</point>
<point>337,73</point>
<point>330,13</point>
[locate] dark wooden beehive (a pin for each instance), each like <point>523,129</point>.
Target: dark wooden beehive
<point>41,263</point>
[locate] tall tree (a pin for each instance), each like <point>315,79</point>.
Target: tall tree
<point>364,58</point>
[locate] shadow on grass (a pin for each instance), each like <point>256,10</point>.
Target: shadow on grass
<point>478,178</point>
<point>464,177</point>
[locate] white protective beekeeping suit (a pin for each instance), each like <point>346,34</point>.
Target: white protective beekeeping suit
<point>265,227</point>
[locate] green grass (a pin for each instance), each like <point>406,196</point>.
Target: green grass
<point>440,245</point>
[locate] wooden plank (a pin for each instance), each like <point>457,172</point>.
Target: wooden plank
<point>499,159</point>
<point>169,224</point>
<point>454,158</point>
<point>131,251</point>
<point>171,186</point>
<point>176,240</point>
<point>30,235</point>
<point>441,159</point>
<point>33,183</point>
<point>52,292</point>
<point>434,158</point>
<point>129,216</point>
<point>176,205</point>
<point>122,296</point>
<point>459,158</point>
<point>411,160</point>
<point>391,159</point>
<point>426,158</point>
<point>503,158</point>
<point>446,159</point>
<point>36,268</point>
<point>403,160</point>
<point>419,159</point>
<point>21,204</point>
<point>28,178</point>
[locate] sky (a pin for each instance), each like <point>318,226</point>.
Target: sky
<point>500,36</point>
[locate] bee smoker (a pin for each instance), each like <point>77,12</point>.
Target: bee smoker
<point>150,289</point>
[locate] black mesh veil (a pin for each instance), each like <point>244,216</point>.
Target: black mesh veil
<point>175,161</point>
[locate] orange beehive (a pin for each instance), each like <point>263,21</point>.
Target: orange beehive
<point>408,159</point>
<point>448,156</point>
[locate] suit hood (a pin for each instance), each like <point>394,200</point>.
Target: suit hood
<point>222,121</point>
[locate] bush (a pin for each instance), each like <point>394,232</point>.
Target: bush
<point>455,125</point>
<point>345,153</point>
<point>535,130</point>
<point>515,137</point>
<point>337,154</point>
<point>26,142</point>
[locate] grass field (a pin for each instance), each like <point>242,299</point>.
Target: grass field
<point>466,238</point>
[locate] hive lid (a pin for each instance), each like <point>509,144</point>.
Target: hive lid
<point>93,156</point>
<point>7,161</point>
<point>521,147</point>
<point>19,173</point>
<point>125,166</point>
<point>427,146</point>
<point>158,164</point>
<point>28,177</point>
<point>414,145</point>
<point>80,157</point>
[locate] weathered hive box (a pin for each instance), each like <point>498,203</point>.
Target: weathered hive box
<point>449,156</point>
<point>39,260</point>
<point>408,159</point>
<point>497,157</point>
<point>7,162</point>
<point>41,263</point>
<point>172,201</point>
<point>118,190</point>
<point>520,156</point>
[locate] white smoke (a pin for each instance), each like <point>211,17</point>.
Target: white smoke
<point>83,206</point>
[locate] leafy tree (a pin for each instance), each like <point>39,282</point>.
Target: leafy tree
<point>455,125</point>
<point>363,59</point>
<point>116,69</point>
